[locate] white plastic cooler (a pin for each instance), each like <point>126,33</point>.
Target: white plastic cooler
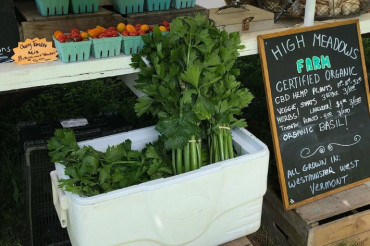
<point>215,204</point>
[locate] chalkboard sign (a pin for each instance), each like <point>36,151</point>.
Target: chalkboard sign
<point>9,36</point>
<point>318,99</point>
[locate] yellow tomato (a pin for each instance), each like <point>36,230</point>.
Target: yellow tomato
<point>130,28</point>
<point>84,35</point>
<point>144,27</point>
<point>57,33</point>
<point>102,29</point>
<point>163,29</point>
<point>121,27</point>
<point>94,32</point>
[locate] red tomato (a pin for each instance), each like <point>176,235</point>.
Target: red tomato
<point>109,33</point>
<point>62,38</point>
<point>165,23</point>
<point>75,31</point>
<point>141,32</point>
<point>102,35</point>
<point>125,33</point>
<point>111,28</point>
<point>150,28</point>
<point>133,33</point>
<point>70,39</point>
<point>137,27</point>
<point>115,34</point>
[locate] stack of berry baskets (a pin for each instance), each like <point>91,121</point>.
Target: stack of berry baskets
<point>155,5</point>
<point>128,6</point>
<point>52,7</point>
<point>180,4</point>
<point>84,6</point>
<point>72,46</point>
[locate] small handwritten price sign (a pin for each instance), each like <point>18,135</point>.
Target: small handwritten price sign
<point>34,51</point>
<point>319,107</point>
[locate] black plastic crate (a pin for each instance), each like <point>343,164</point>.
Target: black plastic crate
<point>43,224</point>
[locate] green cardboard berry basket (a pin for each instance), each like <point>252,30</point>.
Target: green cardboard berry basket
<point>128,6</point>
<point>106,47</point>
<point>52,7</point>
<point>155,5</point>
<point>180,4</point>
<point>84,6</point>
<point>73,51</point>
<point>132,44</point>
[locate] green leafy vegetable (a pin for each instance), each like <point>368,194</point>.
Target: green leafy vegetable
<point>189,82</point>
<point>92,172</point>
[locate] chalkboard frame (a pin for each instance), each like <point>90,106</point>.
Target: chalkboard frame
<point>8,25</point>
<point>270,106</point>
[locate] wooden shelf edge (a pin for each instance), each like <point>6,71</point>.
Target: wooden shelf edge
<point>14,77</point>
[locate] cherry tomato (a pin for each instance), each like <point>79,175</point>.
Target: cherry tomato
<point>141,32</point>
<point>62,38</point>
<point>163,29</point>
<point>70,39</point>
<point>75,31</point>
<point>137,27</point>
<point>109,33</point>
<point>57,33</point>
<point>84,35</point>
<point>102,35</point>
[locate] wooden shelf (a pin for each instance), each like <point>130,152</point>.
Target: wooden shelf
<point>15,77</point>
